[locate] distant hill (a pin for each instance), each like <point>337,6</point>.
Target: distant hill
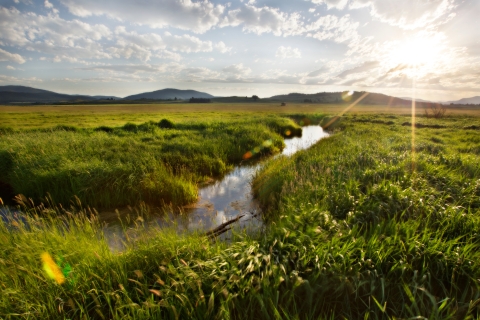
<point>472,100</point>
<point>418,100</point>
<point>339,97</point>
<point>168,93</point>
<point>22,94</point>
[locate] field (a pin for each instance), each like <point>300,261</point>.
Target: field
<point>379,221</point>
<point>159,161</point>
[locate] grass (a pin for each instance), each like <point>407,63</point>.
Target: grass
<point>358,227</point>
<point>155,162</point>
<point>91,116</point>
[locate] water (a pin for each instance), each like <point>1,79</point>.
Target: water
<point>218,202</point>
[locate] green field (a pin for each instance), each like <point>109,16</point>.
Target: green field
<point>378,221</point>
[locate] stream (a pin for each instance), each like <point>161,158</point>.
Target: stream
<point>217,203</point>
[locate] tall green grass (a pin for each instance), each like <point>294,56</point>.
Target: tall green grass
<point>154,162</point>
<point>357,228</point>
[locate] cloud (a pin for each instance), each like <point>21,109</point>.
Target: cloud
<point>165,54</point>
<point>271,20</point>
<point>186,43</point>
<point>407,14</point>
<point>13,57</point>
<point>144,46</point>
<point>317,72</point>
<point>337,4</point>
<point>353,81</point>
<point>9,80</point>
<point>237,70</point>
<point>10,68</point>
<point>128,68</point>
<point>222,47</point>
<point>331,27</point>
<point>288,52</point>
<point>368,65</point>
<point>263,20</point>
<point>52,34</point>
<point>198,17</point>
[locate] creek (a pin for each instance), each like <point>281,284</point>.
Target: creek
<point>217,203</point>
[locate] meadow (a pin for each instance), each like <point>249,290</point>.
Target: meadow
<point>378,221</point>
<point>158,162</point>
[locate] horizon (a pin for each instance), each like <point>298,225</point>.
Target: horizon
<point>266,97</point>
<point>407,49</point>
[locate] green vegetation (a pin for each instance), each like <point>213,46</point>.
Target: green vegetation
<point>359,226</point>
<point>155,162</point>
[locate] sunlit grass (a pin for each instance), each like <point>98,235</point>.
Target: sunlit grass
<point>353,233</point>
<point>107,167</point>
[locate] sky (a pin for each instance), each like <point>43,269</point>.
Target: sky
<point>429,49</point>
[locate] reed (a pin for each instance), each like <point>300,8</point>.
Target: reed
<point>361,225</point>
<point>110,167</point>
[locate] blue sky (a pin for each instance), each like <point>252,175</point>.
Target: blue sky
<point>262,47</point>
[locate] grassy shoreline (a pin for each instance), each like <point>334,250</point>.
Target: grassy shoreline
<point>359,227</point>
<point>154,162</point>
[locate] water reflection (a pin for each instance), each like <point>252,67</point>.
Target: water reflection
<point>219,202</point>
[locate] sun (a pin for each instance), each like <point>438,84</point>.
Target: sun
<point>417,55</point>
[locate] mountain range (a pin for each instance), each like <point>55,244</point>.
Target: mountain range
<point>169,93</point>
<point>472,100</point>
<point>23,94</point>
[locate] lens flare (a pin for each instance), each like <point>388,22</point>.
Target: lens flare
<point>247,155</point>
<point>345,111</point>
<point>258,149</point>
<point>267,143</point>
<point>52,269</point>
<point>347,96</point>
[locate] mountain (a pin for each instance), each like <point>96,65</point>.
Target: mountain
<point>339,97</point>
<point>168,93</point>
<point>22,94</point>
<point>472,100</point>
<point>418,100</point>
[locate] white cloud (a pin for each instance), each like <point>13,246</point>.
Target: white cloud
<point>128,68</point>
<point>366,66</point>
<point>337,4</point>
<point>317,72</point>
<point>9,80</point>
<point>29,2</point>
<point>407,14</point>
<point>10,68</point>
<point>197,16</point>
<point>288,52</point>
<point>331,27</point>
<point>47,4</point>
<point>237,70</point>
<point>13,57</point>
<point>222,47</point>
<point>186,43</point>
<point>165,54</point>
<point>263,20</point>
<point>52,34</point>
<point>144,46</point>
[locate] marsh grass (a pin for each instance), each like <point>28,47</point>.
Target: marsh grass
<point>358,228</point>
<point>156,162</point>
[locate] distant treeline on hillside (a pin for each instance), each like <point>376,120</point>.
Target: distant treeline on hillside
<point>199,100</point>
<point>364,98</point>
